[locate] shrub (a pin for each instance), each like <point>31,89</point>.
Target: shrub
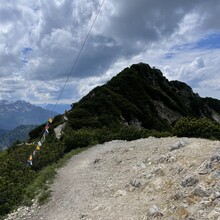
<point>49,153</point>
<point>35,133</point>
<point>193,127</point>
<point>129,133</point>
<point>78,139</point>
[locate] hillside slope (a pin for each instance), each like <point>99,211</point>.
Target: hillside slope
<point>141,96</point>
<point>154,178</point>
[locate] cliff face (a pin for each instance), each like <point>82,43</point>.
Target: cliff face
<point>141,95</point>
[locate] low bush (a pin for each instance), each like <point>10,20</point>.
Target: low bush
<point>78,139</point>
<point>193,127</point>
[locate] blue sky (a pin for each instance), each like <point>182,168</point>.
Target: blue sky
<point>39,41</point>
<point>211,41</point>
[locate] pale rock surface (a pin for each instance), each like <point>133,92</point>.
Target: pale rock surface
<point>154,178</point>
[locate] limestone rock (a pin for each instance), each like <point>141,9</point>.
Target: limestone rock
<point>154,211</point>
<point>189,181</point>
<point>214,213</point>
<point>178,145</point>
<point>205,168</point>
<point>201,191</point>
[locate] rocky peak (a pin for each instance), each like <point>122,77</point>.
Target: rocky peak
<point>143,94</point>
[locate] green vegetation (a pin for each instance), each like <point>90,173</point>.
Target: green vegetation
<point>141,95</point>
<point>39,186</point>
<point>20,183</point>
<point>139,102</point>
<point>193,127</point>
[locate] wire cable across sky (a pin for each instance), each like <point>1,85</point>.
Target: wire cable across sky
<point>77,57</point>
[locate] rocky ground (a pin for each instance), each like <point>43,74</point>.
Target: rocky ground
<point>153,178</point>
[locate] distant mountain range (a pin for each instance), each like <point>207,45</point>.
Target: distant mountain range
<point>14,114</point>
<point>17,119</point>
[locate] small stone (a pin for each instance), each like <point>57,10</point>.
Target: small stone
<point>192,199</point>
<point>135,183</point>
<point>216,174</point>
<point>205,168</point>
<point>99,207</point>
<point>131,189</point>
<point>118,162</point>
<point>178,145</point>
<point>164,159</point>
<point>214,213</point>
<point>206,202</point>
<point>154,211</point>
<point>200,191</point>
<point>141,165</point>
<point>138,182</point>
<point>182,212</point>
<point>217,195</point>
<point>215,158</point>
<point>97,160</point>
<point>171,159</point>
<point>177,196</point>
<point>120,193</point>
<point>189,181</point>
<point>82,216</point>
<point>158,171</point>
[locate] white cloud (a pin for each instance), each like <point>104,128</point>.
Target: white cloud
<point>160,33</point>
<point>198,63</point>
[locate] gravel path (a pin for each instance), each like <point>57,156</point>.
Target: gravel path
<point>142,179</point>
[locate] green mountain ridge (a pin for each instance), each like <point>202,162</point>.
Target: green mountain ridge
<point>142,96</point>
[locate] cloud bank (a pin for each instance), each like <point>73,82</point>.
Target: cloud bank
<point>39,41</point>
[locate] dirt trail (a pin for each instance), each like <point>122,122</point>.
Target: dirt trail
<point>154,178</point>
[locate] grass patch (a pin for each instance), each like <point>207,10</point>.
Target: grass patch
<point>3,217</point>
<point>44,197</point>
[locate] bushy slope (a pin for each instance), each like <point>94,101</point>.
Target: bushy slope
<point>141,96</point>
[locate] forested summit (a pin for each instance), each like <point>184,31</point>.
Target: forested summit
<point>142,96</point>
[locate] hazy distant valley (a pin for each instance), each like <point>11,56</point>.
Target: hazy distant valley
<point>17,119</point>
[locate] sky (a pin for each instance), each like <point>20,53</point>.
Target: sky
<point>40,40</point>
